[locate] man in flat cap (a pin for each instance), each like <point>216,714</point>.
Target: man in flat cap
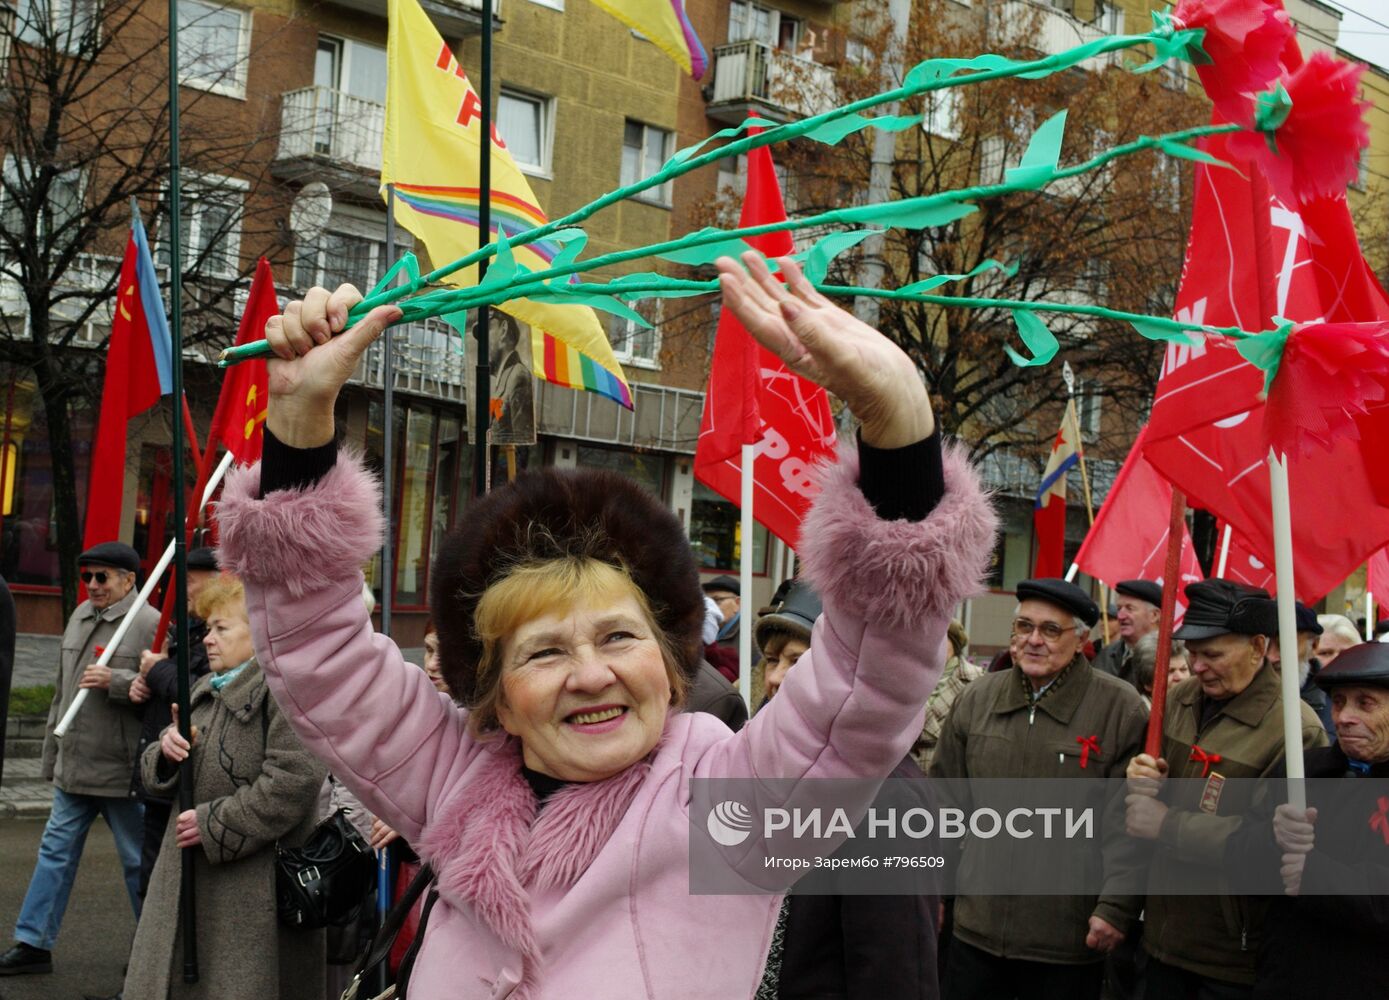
<point>1139,604</point>
<point>1049,716</point>
<point>1309,630</point>
<point>158,684</point>
<point>1333,858</point>
<point>90,767</point>
<point>1224,722</point>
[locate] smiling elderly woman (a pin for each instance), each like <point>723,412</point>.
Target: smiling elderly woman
<point>553,800</point>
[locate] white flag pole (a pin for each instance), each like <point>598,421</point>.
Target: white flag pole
<point>1071,573</point>
<point>745,580</point>
<point>141,600</point>
<point>1287,629</point>
<point>1369,617</point>
<point>1224,553</point>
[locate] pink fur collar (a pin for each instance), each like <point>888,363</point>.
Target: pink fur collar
<point>489,847</point>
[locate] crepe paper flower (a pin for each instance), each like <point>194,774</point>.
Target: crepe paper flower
<point>1330,380</point>
<point>1309,130</point>
<point>1241,47</point>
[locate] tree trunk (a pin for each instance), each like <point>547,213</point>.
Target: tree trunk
<point>55,397</point>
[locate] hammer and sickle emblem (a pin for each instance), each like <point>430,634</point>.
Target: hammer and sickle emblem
<point>120,303</point>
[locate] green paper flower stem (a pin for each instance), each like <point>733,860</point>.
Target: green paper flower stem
<point>450,300</point>
<point>453,299</point>
<point>1041,67</point>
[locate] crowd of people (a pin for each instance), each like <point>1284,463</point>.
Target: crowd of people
<point>577,678</point>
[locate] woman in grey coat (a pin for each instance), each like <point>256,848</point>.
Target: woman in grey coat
<point>253,785</point>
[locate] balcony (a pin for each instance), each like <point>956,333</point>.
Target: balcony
<point>329,132</point>
<point>428,361</point>
<point>453,18</point>
<point>1048,30</point>
<point>755,78</point>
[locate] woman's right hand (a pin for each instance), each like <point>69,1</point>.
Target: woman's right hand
<point>381,834</point>
<point>172,744</point>
<point>820,341</point>
<point>313,359</point>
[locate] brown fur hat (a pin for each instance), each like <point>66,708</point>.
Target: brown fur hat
<point>551,514</point>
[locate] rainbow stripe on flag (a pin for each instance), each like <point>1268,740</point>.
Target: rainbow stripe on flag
<point>461,204</point>
<point>567,367</point>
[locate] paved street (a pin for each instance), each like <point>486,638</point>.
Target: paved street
<point>97,930</point>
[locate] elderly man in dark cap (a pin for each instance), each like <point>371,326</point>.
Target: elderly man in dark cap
<point>1050,716</point>
<point>1308,631</point>
<point>1224,722</point>
<point>1138,608</point>
<point>90,767</point>
<point>1332,858</point>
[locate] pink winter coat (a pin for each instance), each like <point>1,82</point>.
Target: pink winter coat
<point>591,897</point>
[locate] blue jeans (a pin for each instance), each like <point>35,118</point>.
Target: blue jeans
<point>60,850</point>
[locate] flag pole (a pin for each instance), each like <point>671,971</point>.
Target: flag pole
<point>187,887</point>
<point>388,444</point>
<point>1287,628</point>
<point>1369,616</point>
<point>1224,553</point>
<point>482,382</point>
<point>1171,580</point>
<point>141,599</point>
<point>749,458</point>
<point>1069,377</point>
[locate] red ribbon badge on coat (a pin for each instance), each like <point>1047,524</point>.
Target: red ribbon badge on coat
<point>1205,759</point>
<point>1091,745</point>
<point>1380,820</point>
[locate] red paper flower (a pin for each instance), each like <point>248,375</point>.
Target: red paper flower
<point>1332,381</point>
<point>1318,146</point>
<point>1244,39</point>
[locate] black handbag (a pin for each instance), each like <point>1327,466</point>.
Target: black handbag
<point>381,945</point>
<point>327,880</point>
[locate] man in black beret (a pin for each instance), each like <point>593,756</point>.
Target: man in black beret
<point>1308,631</point>
<point>1225,721</point>
<point>90,767</point>
<point>1049,716</point>
<point>1139,606</point>
<point>725,592</point>
<point>1333,858</point>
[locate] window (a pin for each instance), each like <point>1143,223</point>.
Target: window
<point>645,150</point>
<point>66,25</point>
<point>209,226</point>
<point>63,204</point>
<point>1088,398</point>
<point>339,258</point>
<point>634,344</point>
<point>352,67</point>
<point>552,4</point>
<point>756,23</point>
<point>716,533</point>
<point>523,122</point>
<point>213,45</point>
<point>648,470</point>
<point>941,117</point>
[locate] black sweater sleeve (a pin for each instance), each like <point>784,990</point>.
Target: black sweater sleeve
<point>285,468</point>
<point>902,482</point>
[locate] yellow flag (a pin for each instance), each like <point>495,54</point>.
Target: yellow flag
<point>431,155</point>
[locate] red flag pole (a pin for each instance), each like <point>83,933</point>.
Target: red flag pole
<point>1171,580</point>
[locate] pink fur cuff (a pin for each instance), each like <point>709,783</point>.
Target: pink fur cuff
<point>898,572</point>
<point>304,539</point>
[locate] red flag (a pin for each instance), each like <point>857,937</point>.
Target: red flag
<point>239,420</point>
<point>138,372</point>
<point>752,398</point>
<point>1243,566</point>
<point>1049,511</point>
<point>1129,538</point>
<point>1251,258</point>
<point>1377,582</point>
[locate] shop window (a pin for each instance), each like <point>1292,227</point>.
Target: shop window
<point>716,533</point>
<point>648,470</point>
<point>416,509</point>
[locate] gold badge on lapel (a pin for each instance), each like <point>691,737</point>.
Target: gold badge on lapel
<point>1210,795</point>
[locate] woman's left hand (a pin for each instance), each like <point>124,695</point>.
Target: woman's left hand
<point>186,829</point>
<point>822,342</point>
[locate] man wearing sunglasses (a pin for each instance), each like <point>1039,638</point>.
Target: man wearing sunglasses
<point>90,767</point>
<point>1049,716</point>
